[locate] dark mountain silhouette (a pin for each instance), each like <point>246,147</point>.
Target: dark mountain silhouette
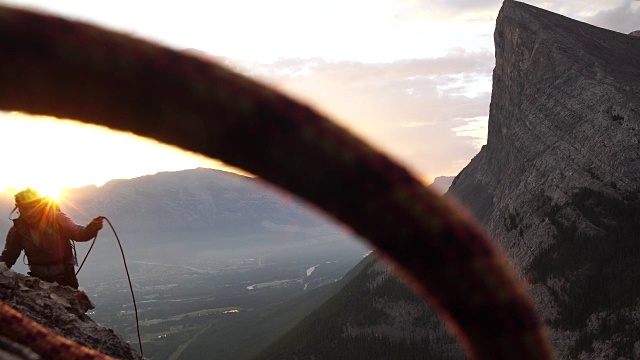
<point>557,185</point>
<point>374,316</point>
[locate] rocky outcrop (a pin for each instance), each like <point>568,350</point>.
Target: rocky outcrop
<point>60,309</point>
<point>558,183</point>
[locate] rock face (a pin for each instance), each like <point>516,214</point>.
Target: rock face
<point>558,183</point>
<point>58,309</point>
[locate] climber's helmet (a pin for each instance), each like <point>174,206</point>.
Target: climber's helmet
<point>27,197</point>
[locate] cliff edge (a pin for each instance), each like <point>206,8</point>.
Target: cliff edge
<point>59,309</point>
<point>558,183</point>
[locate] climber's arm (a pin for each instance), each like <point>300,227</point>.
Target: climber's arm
<point>77,232</point>
<point>12,248</point>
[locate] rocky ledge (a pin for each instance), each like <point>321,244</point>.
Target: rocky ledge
<point>60,309</point>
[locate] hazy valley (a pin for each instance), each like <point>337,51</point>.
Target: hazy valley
<point>190,269</point>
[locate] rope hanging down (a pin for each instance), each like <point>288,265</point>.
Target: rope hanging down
<point>126,268</point>
<point>52,66</point>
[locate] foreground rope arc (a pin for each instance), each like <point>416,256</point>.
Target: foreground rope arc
<point>52,66</point>
<point>44,342</point>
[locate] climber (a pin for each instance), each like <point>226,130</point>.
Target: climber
<point>45,234</point>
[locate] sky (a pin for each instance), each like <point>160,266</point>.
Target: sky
<point>412,77</point>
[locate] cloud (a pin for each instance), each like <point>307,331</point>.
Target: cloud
<point>624,18</point>
<point>469,6</point>
<point>457,61</point>
<point>410,10</point>
<point>617,15</point>
<point>421,111</point>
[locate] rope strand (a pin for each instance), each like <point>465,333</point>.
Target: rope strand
<point>126,268</point>
<point>87,255</point>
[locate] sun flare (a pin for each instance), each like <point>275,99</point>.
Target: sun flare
<point>51,191</point>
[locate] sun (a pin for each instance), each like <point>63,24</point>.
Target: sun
<point>51,191</point>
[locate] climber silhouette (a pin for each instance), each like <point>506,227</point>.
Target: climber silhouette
<point>45,233</point>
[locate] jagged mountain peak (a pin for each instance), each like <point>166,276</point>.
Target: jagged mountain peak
<point>524,33</point>
<point>565,95</point>
<point>558,182</point>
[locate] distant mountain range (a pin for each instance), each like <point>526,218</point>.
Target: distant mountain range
<point>199,214</point>
<point>213,202</point>
<point>441,184</point>
<point>199,198</point>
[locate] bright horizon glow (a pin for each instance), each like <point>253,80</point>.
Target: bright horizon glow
<point>54,154</point>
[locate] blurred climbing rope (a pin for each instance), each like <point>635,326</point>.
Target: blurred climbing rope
<point>53,66</point>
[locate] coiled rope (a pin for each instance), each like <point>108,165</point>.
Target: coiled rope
<point>52,66</point>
